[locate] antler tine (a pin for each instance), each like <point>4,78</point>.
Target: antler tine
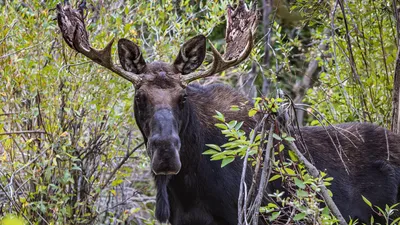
<point>241,23</point>
<point>73,29</point>
<point>219,64</point>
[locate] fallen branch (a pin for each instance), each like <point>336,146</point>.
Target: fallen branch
<point>313,171</point>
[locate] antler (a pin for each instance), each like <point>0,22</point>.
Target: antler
<point>240,27</point>
<point>73,29</point>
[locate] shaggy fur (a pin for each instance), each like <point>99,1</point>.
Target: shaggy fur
<point>204,193</point>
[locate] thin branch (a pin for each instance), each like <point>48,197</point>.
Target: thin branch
<point>24,132</point>
<point>128,154</point>
<point>16,52</point>
<point>352,62</point>
<point>264,176</point>
<point>356,77</point>
<point>9,30</point>
<point>8,114</point>
<point>241,206</point>
<point>338,78</point>
<point>301,87</point>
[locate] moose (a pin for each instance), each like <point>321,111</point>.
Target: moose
<point>176,120</point>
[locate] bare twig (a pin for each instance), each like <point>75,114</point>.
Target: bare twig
<point>24,132</point>
<point>264,176</point>
<point>8,114</point>
<point>8,32</point>
<point>121,163</point>
<point>301,87</point>
<point>256,170</point>
<point>352,63</point>
<point>24,49</point>
<point>241,206</point>
<point>338,78</point>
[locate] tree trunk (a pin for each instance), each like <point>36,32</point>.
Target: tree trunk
<point>396,81</point>
<point>267,9</point>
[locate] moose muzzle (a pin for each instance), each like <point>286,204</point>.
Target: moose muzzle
<point>164,143</point>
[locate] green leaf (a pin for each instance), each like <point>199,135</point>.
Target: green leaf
<point>239,125</point>
<point>299,183</point>
<point>274,216</point>
<point>301,193</point>
<point>366,201</point>
<point>219,116</point>
<point>272,205</point>
<point>232,124</point>
<point>216,147</point>
<point>235,108</point>
<point>116,182</point>
<point>221,126</point>
<point>326,211</point>
<point>277,137</point>
<point>210,152</point>
<point>275,177</point>
<point>299,216</point>
<point>290,139</point>
<point>226,161</point>
<point>218,156</point>
<point>293,156</point>
<point>290,171</point>
<point>252,112</point>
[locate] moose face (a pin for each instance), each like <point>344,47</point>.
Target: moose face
<point>160,100</point>
<point>160,87</point>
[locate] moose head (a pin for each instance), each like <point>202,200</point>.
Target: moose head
<point>161,87</point>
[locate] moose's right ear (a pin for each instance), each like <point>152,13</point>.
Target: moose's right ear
<point>130,56</point>
<point>191,55</point>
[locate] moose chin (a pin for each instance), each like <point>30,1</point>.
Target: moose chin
<point>176,120</point>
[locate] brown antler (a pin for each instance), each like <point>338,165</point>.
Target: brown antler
<point>240,26</point>
<point>73,29</point>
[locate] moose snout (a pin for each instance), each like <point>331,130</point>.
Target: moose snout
<point>165,160</point>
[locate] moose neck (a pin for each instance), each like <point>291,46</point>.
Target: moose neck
<point>198,129</point>
<point>190,155</point>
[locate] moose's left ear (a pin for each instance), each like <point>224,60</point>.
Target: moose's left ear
<point>130,56</point>
<point>191,55</point>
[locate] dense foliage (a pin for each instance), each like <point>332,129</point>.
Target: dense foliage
<point>70,149</point>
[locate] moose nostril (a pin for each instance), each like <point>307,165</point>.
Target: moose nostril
<point>171,141</point>
<point>176,141</point>
<point>166,163</point>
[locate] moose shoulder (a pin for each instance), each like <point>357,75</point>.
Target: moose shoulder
<point>177,122</point>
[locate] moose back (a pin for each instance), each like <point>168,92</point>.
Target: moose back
<point>176,120</point>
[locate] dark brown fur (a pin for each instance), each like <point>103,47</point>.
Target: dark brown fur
<point>363,159</point>
<point>354,154</point>
<point>177,122</point>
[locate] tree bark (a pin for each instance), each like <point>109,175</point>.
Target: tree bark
<point>396,80</point>
<point>313,171</point>
<point>267,9</point>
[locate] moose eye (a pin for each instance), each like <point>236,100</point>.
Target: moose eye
<point>183,99</point>
<point>184,96</point>
<point>140,98</point>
